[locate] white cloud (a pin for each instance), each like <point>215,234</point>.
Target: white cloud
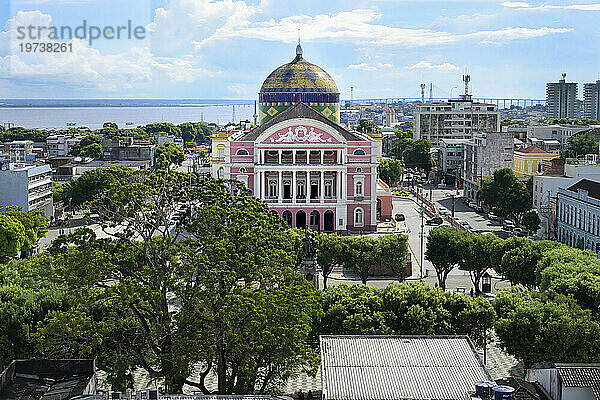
<point>444,67</point>
<point>359,26</point>
<point>515,4</point>
<point>371,67</point>
<point>86,66</point>
<point>546,7</point>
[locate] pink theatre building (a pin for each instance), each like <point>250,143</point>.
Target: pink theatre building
<point>311,171</point>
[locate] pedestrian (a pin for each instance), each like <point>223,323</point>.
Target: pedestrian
<point>309,396</point>
<point>300,395</point>
<point>471,292</point>
<point>436,285</point>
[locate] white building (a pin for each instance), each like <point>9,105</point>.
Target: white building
<point>568,381</point>
<point>485,154</point>
<point>454,119</point>
<point>545,189</point>
<point>578,219</point>
<point>450,156</point>
<point>19,151</point>
<point>28,187</point>
<point>550,133</point>
<point>60,145</point>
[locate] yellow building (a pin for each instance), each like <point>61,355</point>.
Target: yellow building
<point>530,160</point>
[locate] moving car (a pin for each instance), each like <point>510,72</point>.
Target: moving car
<point>435,221</point>
<point>493,217</point>
<point>400,217</point>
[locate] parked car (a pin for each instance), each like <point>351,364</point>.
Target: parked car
<point>472,204</point>
<point>400,217</point>
<point>519,232</point>
<point>435,221</point>
<point>508,225</point>
<point>493,217</point>
<point>443,211</point>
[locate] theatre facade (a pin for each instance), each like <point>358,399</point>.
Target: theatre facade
<point>309,169</point>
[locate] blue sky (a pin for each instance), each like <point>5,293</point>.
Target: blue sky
<point>224,48</point>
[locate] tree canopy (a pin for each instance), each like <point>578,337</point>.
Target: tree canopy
<point>443,251</point>
<point>404,309</point>
<point>507,196</point>
<point>89,146</point>
<point>217,289</point>
<point>20,230</point>
<point>167,154</point>
<point>581,144</point>
<point>416,154</point>
<point>390,171</point>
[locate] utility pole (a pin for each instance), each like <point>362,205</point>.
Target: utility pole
<point>453,197</point>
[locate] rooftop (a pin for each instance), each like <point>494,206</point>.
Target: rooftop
<point>525,390</point>
<point>394,367</point>
<point>47,379</point>
<point>532,149</point>
<point>581,376</point>
<point>592,187</point>
<point>301,110</point>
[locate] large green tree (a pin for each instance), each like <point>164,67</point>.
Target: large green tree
<point>581,144</point>
<point>417,155</point>
<point>89,185</point>
<point>361,255</point>
<point>535,327</point>
<point>12,236</point>
<point>507,196</point>
<point>531,221</point>
<point>167,154</point>
<point>443,250</point>
<point>390,171</point>
<point>217,290</point>
<point>404,309</point>
<point>330,254</point>
<point>89,146</point>
<point>520,258</point>
<point>393,250</point>
<point>477,253</point>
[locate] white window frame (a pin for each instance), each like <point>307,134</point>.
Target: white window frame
<point>359,217</point>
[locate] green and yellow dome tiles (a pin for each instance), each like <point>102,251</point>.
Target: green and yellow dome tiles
<point>298,81</point>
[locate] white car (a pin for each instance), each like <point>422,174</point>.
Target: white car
<point>493,217</point>
<point>443,211</point>
<point>472,204</point>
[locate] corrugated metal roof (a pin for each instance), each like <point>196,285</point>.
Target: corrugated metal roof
<point>581,375</point>
<point>399,367</point>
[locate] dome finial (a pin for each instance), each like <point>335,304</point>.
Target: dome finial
<point>299,47</point>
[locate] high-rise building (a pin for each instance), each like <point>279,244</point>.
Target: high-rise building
<point>561,98</point>
<point>591,100</point>
<point>30,187</point>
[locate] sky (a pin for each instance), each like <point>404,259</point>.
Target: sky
<point>224,49</point>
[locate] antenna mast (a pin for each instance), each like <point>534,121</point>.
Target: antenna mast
<point>423,92</point>
<point>466,79</point>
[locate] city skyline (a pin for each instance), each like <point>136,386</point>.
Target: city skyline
<point>224,49</point>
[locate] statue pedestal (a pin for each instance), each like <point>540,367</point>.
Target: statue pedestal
<point>310,270</point>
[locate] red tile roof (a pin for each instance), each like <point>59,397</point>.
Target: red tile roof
<point>532,149</point>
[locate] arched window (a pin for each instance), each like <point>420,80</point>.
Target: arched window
<point>242,152</point>
<point>301,190</point>
<point>359,152</point>
<point>272,189</point>
<point>221,173</point>
<point>358,217</point>
<point>242,170</point>
<point>358,188</point>
<point>328,189</point>
<point>358,170</point>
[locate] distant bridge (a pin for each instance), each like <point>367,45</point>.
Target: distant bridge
<point>500,102</point>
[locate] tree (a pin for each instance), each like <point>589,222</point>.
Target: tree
<point>12,236</point>
<point>581,144</point>
<point>366,126</point>
<point>393,250</point>
<point>534,327</point>
<point>167,154</point>
<point>571,272</point>
<point>476,255</point>
<point>531,221</point>
<point>34,223</point>
<point>25,300</point>
<point>399,146</point>
<point>354,310</point>
<point>390,171</point>
<point>505,194</point>
<point>403,309</point>
<point>520,259</point>
<point>219,289</point>
<point>330,254</point>
<point>90,185</point>
<point>361,255</point>
<point>89,146</point>
<point>443,251</point>
<point>417,155</point>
